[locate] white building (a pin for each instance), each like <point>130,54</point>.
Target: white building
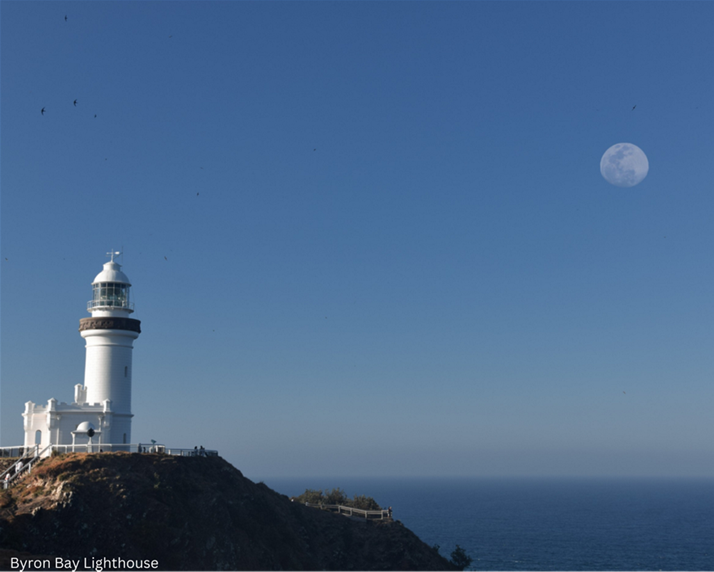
<point>101,411</point>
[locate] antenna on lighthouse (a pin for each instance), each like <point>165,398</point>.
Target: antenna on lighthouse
<point>112,254</point>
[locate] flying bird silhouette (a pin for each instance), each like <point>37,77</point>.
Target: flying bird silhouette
<point>65,18</point>
<point>42,111</point>
<point>633,107</point>
<point>165,258</point>
<point>75,103</point>
<point>95,115</point>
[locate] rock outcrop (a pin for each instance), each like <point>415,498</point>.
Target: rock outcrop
<point>190,513</point>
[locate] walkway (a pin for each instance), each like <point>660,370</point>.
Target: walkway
<point>385,514</point>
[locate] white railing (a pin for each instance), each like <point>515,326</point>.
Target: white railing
<point>109,304</point>
<point>133,448</point>
<point>102,448</point>
<point>24,464</point>
<point>14,451</point>
<point>192,452</point>
<point>351,511</point>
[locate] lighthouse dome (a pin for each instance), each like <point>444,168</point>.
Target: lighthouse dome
<point>85,426</point>
<point>112,273</point>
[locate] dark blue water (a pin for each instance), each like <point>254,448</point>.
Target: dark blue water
<point>550,524</point>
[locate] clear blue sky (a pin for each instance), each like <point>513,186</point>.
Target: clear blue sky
<point>371,238</point>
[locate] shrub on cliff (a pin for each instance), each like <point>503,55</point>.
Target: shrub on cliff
<point>337,496</point>
<point>460,559</point>
<point>364,502</point>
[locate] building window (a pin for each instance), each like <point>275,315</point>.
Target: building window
<point>38,437</point>
<point>110,294</point>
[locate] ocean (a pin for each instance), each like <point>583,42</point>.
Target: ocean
<point>548,524</point>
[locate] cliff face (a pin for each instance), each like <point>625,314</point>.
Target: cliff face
<point>190,513</point>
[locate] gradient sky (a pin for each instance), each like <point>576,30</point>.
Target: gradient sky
<point>371,238</point>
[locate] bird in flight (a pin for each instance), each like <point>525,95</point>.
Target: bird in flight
<point>65,18</point>
<point>42,111</point>
<point>633,107</point>
<point>165,258</point>
<point>95,115</point>
<point>75,103</point>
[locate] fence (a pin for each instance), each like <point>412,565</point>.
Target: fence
<point>14,451</point>
<point>23,465</point>
<point>133,448</point>
<point>351,511</point>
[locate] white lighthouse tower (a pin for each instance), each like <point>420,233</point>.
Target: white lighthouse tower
<point>110,335</point>
<point>101,411</point>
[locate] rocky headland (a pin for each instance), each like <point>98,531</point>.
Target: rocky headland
<point>185,513</point>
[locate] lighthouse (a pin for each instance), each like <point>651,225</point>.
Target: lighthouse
<point>109,336</point>
<point>101,411</point>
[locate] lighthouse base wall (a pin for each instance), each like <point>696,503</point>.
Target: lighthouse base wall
<point>57,423</point>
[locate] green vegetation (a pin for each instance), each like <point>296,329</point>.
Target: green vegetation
<point>337,496</point>
<point>460,559</point>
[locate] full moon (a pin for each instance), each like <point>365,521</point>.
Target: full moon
<point>624,165</point>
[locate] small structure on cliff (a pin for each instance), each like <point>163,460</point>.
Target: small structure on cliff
<point>100,414</point>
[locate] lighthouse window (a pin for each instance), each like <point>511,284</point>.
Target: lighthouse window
<point>38,437</point>
<point>110,294</point>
